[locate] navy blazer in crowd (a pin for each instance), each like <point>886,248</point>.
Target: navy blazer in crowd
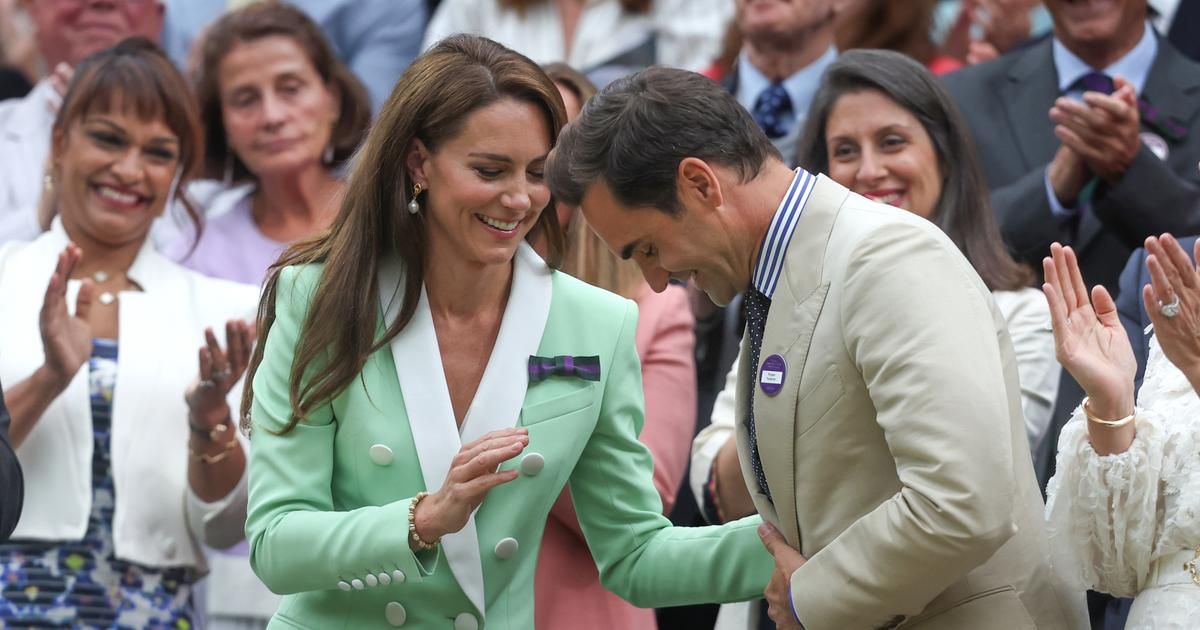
<point>12,483</point>
<point>1130,307</point>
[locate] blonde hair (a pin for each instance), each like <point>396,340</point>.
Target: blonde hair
<point>590,260</point>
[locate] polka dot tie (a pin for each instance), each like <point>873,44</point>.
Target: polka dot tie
<point>756,305</point>
<point>773,111</point>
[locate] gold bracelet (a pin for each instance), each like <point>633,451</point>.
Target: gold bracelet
<point>1112,424</point>
<point>211,433</point>
<point>205,458</point>
<point>421,545</point>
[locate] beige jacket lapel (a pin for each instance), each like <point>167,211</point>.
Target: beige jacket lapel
<point>795,308</point>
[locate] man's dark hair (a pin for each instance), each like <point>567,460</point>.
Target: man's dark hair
<point>635,132</point>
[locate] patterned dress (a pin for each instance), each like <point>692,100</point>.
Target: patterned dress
<point>83,584</point>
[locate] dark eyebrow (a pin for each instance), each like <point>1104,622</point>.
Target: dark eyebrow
<point>496,157</point>
<point>627,251</point>
<point>121,130</point>
<point>492,156</point>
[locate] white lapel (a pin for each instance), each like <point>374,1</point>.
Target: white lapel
<point>497,403</point>
<point>501,394</point>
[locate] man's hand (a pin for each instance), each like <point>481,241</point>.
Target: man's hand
<point>778,593</point>
<point>1068,175</point>
<point>1103,129</point>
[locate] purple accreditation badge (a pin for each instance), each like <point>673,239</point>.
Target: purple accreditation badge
<point>771,374</point>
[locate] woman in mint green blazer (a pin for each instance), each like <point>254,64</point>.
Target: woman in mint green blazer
<point>427,384</point>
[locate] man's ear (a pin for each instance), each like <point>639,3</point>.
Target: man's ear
<point>698,184</point>
<point>415,162</point>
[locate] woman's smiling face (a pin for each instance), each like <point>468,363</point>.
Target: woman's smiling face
<point>113,174</point>
<point>880,150</point>
<point>485,186</point>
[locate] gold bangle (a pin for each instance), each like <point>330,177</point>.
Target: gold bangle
<point>205,458</point>
<point>1112,424</point>
<point>213,433</point>
<point>417,542</point>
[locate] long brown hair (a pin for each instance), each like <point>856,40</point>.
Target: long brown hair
<point>272,19</point>
<point>136,74</point>
<point>963,210</point>
<point>590,260</point>
<point>430,103</point>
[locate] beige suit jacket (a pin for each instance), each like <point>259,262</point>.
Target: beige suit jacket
<point>896,451</point>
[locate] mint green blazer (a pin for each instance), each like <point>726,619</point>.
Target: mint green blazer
<point>329,501</point>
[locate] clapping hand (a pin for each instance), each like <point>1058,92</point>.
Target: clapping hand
<point>66,338</point>
<point>220,369</point>
<point>1174,281</point>
<point>1103,129</point>
<point>779,591</point>
<point>1089,340</point>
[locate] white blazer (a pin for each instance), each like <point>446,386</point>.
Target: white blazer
<point>157,520</point>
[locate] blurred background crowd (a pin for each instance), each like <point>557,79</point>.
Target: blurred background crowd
<point>249,114</point>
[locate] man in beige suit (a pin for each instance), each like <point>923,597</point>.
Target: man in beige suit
<point>879,417</point>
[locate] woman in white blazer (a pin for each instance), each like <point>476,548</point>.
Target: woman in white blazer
<point>125,474</point>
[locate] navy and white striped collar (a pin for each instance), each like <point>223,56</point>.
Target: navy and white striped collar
<point>779,234</point>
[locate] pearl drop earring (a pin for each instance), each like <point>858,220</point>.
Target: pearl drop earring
<point>414,206</point>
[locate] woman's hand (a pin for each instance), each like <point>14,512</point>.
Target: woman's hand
<point>66,338</point>
<point>1173,277</point>
<point>472,474</point>
<point>1089,339</point>
<point>219,371</point>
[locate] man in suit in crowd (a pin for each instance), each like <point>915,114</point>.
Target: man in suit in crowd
<point>65,32</point>
<point>12,484</point>
<point>880,427</point>
<point>786,46</point>
<point>1099,171</point>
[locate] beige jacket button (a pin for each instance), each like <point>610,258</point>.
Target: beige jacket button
<point>466,621</point>
<point>384,578</point>
<point>357,584</point>
<point>532,464</point>
<point>398,576</point>
<point>344,585</point>
<point>395,613</point>
<point>381,454</point>
<point>371,580</point>
<point>506,548</point>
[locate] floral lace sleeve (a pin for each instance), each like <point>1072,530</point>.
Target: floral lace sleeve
<point>1109,517</point>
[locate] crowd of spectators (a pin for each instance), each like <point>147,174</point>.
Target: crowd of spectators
<point>160,155</point>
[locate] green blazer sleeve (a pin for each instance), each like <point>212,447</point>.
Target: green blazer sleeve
<point>299,541</point>
<point>639,555</point>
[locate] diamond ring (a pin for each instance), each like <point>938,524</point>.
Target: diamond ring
<point>1170,310</point>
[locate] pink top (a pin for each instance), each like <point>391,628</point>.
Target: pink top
<point>567,590</point>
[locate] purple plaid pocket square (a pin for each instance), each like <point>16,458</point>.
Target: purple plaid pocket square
<point>542,368</point>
